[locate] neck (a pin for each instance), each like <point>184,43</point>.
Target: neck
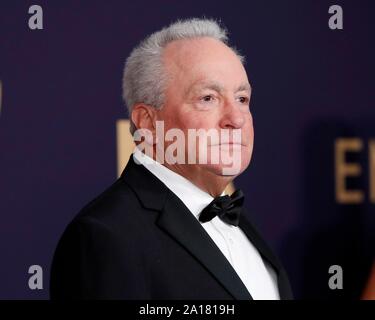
<point>206,180</point>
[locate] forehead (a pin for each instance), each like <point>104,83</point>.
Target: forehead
<point>202,60</point>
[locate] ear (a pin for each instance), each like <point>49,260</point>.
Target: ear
<point>144,117</point>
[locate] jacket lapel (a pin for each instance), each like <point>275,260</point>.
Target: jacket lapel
<point>182,226</point>
<point>282,278</point>
<point>177,221</point>
<point>257,241</point>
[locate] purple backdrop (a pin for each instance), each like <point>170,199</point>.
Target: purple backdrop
<point>61,97</point>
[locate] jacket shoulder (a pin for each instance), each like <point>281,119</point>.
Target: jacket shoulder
<point>115,206</point>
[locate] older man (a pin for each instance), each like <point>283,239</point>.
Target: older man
<point>165,229</point>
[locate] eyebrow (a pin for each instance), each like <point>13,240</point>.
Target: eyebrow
<point>217,87</point>
<point>244,87</point>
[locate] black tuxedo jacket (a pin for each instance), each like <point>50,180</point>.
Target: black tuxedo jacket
<point>137,240</point>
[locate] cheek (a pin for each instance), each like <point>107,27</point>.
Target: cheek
<point>173,121</point>
<point>198,121</point>
<point>248,130</point>
<point>175,117</point>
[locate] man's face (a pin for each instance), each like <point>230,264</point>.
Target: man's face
<point>208,89</point>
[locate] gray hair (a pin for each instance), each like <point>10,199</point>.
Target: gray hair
<point>144,79</point>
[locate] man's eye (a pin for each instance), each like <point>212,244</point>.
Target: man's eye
<point>207,98</point>
<point>244,100</point>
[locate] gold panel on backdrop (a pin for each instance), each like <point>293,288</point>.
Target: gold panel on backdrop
<point>125,147</point>
<point>345,170</point>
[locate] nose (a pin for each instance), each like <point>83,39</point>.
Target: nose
<point>233,117</point>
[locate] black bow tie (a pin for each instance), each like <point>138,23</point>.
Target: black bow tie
<point>227,208</point>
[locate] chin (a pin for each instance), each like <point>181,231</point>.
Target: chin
<point>238,162</point>
<point>225,170</point>
<point>232,161</point>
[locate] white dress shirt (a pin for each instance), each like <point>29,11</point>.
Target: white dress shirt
<point>257,275</point>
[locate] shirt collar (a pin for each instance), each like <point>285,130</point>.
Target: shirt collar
<point>194,198</point>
